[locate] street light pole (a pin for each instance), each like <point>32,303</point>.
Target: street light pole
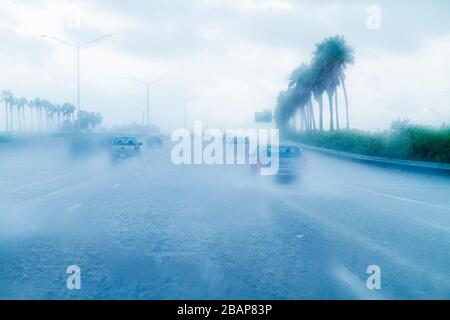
<point>78,91</point>
<point>147,86</point>
<point>148,105</point>
<point>77,47</point>
<point>185,114</point>
<point>185,101</point>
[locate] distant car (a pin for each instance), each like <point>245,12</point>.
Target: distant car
<point>83,146</point>
<point>125,147</point>
<point>154,141</point>
<point>291,160</point>
<point>236,140</point>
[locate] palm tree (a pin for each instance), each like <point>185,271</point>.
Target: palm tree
<point>42,106</point>
<point>337,108</point>
<point>20,104</point>
<point>321,61</point>
<point>31,106</point>
<point>333,55</point>
<point>301,80</point>
<point>36,103</point>
<point>313,119</point>
<point>287,103</point>
<point>58,111</point>
<point>51,110</point>
<point>331,84</point>
<point>318,88</point>
<point>346,100</point>
<point>68,110</point>
<point>45,106</point>
<point>19,120</point>
<point>12,105</point>
<point>95,119</point>
<point>72,112</point>
<point>24,102</point>
<point>324,74</point>
<point>7,97</point>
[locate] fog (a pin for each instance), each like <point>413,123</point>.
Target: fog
<point>146,228</point>
<point>94,92</point>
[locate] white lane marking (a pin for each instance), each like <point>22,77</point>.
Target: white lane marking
<point>57,193</point>
<point>38,182</point>
<point>72,208</point>
<point>356,285</point>
<point>433,225</point>
<point>339,228</point>
<point>436,277</point>
<point>388,195</point>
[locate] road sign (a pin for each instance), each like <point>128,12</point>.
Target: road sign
<point>264,116</point>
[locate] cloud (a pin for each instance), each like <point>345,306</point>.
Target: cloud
<point>232,56</point>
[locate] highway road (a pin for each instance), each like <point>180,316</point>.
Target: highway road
<point>147,229</point>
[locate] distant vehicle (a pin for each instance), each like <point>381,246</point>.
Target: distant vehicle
<point>237,140</point>
<point>125,147</point>
<point>83,146</point>
<point>154,141</point>
<point>291,160</point>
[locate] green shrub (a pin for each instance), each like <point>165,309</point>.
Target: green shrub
<point>404,141</point>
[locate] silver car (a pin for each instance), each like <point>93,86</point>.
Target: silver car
<point>291,160</point>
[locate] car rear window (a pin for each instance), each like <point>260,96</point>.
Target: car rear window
<point>285,151</point>
<point>125,142</point>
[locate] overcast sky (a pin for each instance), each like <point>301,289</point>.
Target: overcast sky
<point>230,58</point>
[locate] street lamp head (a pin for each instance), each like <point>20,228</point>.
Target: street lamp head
<point>96,40</point>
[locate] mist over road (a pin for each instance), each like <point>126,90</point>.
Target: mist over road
<point>147,229</point>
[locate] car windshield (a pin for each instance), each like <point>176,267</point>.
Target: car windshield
<point>234,149</point>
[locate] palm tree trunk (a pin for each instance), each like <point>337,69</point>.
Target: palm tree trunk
<point>301,113</point>
<point>42,120</point>
<point>337,108</point>
<point>346,103</point>
<point>313,120</point>
<point>307,117</point>
<point>6,116</point>
<point>321,113</point>
<point>19,121</point>
<point>39,118</point>
<point>24,119</point>
<point>330,105</point>
<point>11,117</point>
<point>31,114</point>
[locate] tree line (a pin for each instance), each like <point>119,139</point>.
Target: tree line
<point>22,115</point>
<point>324,74</point>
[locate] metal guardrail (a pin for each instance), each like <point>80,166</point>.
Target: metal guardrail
<point>408,164</point>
